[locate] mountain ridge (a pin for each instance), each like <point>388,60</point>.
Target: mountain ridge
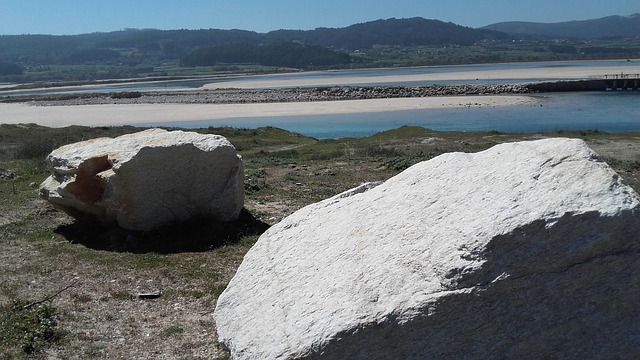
<point>609,26</point>
<point>175,44</point>
<point>413,31</point>
<point>389,42</point>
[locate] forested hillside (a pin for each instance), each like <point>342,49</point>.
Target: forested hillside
<point>282,54</point>
<point>396,32</point>
<point>132,45</point>
<point>381,43</point>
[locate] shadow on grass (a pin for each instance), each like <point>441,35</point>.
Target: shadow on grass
<point>191,236</point>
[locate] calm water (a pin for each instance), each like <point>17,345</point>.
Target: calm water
<point>341,74</point>
<point>614,111</point>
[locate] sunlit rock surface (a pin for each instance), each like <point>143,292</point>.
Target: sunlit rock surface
<point>147,180</point>
<point>526,250</point>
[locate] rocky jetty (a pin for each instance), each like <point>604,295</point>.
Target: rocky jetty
<point>528,250</point>
<point>568,86</point>
<point>241,96</point>
<point>147,180</point>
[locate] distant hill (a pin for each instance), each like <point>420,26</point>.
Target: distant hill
<point>606,27</point>
<point>391,32</point>
<point>175,44</point>
<point>381,43</point>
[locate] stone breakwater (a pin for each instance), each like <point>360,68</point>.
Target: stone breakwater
<point>243,96</point>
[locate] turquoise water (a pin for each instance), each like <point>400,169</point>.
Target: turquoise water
<point>614,111</point>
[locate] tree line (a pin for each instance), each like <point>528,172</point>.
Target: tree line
<point>284,54</point>
<point>10,69</point>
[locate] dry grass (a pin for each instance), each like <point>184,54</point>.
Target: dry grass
<point>103,272</point>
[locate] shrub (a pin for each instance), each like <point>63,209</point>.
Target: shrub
<point>380,151</point>
<point>126,95</point>
<point>400,163</point>
<point>36,149</point>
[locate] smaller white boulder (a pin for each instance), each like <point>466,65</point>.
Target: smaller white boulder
<point>147,180</point>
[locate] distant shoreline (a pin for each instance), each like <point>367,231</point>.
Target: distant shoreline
<point>552,71</point>
<point>272,99</point>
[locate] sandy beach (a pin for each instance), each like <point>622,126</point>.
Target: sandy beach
<point>105,115</point>
<point>123,114</point>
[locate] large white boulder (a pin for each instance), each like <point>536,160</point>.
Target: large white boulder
<point>147,180</point>
<point>525,250</point>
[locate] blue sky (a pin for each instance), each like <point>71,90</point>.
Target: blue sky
<point>61,17</point>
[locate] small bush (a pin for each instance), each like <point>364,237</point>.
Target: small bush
<point>379,151</point>
<point>126,95</point>
<point>623,165</point>
<point>36,149</point>
<point>172,331</point>
<point>254,180</point>
<point>400,163</point>
<point>334,154</point>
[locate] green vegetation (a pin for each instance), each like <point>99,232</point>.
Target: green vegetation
<point>624,165</point>
<point>227,59</point>
<point>382,43</point>
<point>10,69</point>
<point>390,32</point>
<point>294,55</point>
<point>27,328</point>
<point>497,52</point>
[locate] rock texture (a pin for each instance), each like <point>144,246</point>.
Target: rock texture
<point>243,96</point>
<point>147,180</point>
<point>526,250</point>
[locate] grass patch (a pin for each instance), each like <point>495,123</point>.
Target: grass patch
<point>26,329</point>
<point>172,331</point>
<point>623,165</point>
<point>403,162</point>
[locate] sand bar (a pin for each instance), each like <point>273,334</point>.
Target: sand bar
<point>533,74</point>
<point>106,115</point>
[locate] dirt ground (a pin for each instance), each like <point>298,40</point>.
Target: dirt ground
<point>124,295</point>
